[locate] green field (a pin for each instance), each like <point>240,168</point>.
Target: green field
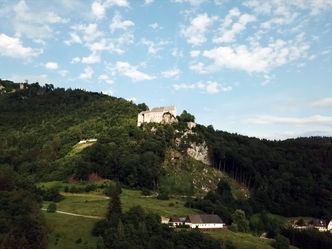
<point>130,198</point>
<point>69,229</point>
<point>243,240</point>
<point>85,204</point>
<point>95,204</point>
<point>65,232</point>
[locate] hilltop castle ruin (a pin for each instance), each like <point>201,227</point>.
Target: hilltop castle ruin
<point>164,115</point>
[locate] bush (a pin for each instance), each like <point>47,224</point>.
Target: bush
<point>281,242</point>
<point>51,208</point>
<point>90,187</point>
<point>113,188</point>
<point>51,194</point>
<point>99,228</point>
<point>146,192</point>
<point>163,196</point>
<point>233,228</point>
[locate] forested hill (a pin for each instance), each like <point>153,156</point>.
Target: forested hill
<point>291,177</point>
<point>40,126</point>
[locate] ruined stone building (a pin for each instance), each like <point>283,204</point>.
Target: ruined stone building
<point>164,115</point>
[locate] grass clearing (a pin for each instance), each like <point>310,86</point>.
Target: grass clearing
<point>87,204</point>
<point>65,232</point>
<point>241,240</point>
<point>130,198</point>
<point>95,203</point>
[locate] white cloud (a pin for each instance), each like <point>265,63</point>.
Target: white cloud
<point>275,22</point>
<point>90,32</point>
<point>228,35</point>
<point>210,87</point>
<point>155,26</point>
<point>286,8</point>
<point>199,67</point>
<point>37,26</point>
<point>153,47</point>
<point>97,41</point>
<point>75,60</point>
<point>192,2</point>
<point>176,52</point>
<point>258,59</point>
<point>310,120</point>
<point>195,33</point>
<point>12,47</point>
<point>172,73</point>
<point>119,23</point>
<point>74,38</point>
<point>51,65</point>
<point>119,3</point>
<point>84,34</point>
<point>87,74</point>
<point>195,53</point>
<point>125,69</point>
<point>105,78</point>
<point>93,58</point>
<point>325,102</point>
<point>147,2</point>
<point>318,6</point>
<point>98,10</point>
<point>63,73</point>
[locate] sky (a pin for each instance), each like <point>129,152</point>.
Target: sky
<point>254,67</point>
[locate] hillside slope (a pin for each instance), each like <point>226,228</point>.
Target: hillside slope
<point>40,126</point>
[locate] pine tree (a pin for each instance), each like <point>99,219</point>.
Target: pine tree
<point>114,207</point>
<point>120,230</point>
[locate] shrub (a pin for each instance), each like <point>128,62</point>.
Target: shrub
<point>51,194</point>
<point>146,192</point>
<point>163,196</point>
<point>281,242</point>
<point>51,208</point>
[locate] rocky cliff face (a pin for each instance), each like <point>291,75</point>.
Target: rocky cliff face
<point>199,152</point>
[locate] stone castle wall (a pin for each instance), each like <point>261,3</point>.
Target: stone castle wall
<point>157,115</point>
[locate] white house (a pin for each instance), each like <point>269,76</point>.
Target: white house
<point>204,221</point>
<point>91,140</point>
<point>176,221</point>
<point>329,226</point>
<point>166,114</point>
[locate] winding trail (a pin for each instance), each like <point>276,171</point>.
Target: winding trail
<point>86,195</point>
<point>78,215</point>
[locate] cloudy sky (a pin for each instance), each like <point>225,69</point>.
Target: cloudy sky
<point>255,67</point>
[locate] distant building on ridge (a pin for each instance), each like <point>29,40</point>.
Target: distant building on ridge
<point>164,115</point>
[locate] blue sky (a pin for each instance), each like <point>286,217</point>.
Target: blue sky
<point>254,67</point>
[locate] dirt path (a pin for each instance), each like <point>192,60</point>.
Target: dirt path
<point>85,195</point>
<point>78,215</point>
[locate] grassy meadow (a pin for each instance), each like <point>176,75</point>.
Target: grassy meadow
<point>68,232</point>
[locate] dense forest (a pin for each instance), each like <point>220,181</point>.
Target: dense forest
<point>39,125</point>
<point>291,177</point>
<point>22,223</point>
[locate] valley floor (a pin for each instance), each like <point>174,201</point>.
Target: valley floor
<point>70,227</point>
